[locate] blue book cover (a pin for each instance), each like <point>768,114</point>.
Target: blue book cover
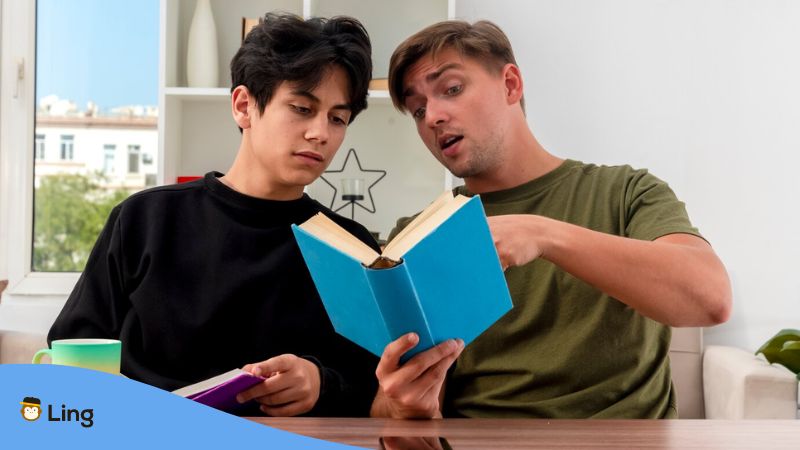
<point>445,282</point>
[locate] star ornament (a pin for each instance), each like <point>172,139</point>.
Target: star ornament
<point>351,169</point>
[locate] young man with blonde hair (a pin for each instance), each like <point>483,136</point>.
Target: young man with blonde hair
<point>600,260</point>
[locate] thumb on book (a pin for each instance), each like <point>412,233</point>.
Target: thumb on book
<point>273,366</point>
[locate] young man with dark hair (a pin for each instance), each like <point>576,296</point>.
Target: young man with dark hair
<point>600,260</point>
<point>203,277</point>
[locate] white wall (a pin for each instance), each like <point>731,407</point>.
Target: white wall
<point>412,178</point>
<point>704,93</point>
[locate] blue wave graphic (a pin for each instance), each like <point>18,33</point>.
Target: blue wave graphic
<point>124,414</point>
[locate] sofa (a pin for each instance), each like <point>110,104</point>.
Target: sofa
<point>720,383</point>
<point>17,347</point>
<point>740,385</point>
<point>686,362</point>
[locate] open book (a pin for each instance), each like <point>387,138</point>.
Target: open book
<point>440,277</point>
<point>220,391</point>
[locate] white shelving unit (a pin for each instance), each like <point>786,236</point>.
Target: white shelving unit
<point>187,93</point>
<point>197,133</point>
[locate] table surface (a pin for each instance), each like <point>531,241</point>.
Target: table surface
<point>463,434</point>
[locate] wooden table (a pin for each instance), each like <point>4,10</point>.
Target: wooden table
<point>463,434</point>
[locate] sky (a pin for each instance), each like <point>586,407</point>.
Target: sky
<point>105,51</point>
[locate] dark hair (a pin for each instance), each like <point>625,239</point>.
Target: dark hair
<point>483,41</point>
<point>284,47</point>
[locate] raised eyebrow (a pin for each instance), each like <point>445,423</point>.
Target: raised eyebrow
<point>433,76</point>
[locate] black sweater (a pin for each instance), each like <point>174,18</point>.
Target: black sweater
<point>196,279</point>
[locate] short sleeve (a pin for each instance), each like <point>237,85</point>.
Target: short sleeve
<point>653,210</point>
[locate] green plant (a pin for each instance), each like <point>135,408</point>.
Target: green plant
<point>69,213</point>
<point>784,349</point>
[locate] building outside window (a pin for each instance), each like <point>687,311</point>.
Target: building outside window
<point>67,147</point>
<point>39,147</point>
<point>109,153</point>
<point>134,156</point>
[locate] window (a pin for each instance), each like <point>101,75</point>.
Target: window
<point>134,155</point>
<point>88,108</point>
<point>109,152</point>
<point>67,147</point>
<point>39,147</point>
<point>89,79</point>
<point>147,159</point>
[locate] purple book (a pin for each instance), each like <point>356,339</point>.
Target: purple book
<point>220,391</point>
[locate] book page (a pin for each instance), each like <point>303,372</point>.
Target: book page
<point>441,200</point>
<point>398,247</point>
<point>325,229</point>
<point>209,383</point>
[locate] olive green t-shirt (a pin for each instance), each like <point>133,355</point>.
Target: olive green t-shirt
<point>566,349</point>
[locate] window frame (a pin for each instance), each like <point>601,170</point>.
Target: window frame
<point>67,147</point>
<point>27,289</point>
<point>39,147</point>
<point>109,150</point>
<point>134,154</point>
<point>17,140</point>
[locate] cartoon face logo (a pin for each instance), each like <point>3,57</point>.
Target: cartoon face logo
<point>31,408</point>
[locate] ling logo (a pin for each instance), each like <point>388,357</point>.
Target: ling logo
<point>31,408</point>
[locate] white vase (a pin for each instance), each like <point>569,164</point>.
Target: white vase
<point>202,60</point>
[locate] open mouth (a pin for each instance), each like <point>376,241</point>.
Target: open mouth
<point>449,141</point>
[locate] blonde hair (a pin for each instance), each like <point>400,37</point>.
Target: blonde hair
<point>483,41</point>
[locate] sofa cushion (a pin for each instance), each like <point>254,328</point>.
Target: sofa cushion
<point>741,385</point>
<point>686,364</point>
<point>18,348</point>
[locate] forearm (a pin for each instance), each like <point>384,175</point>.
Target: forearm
<point>677,280</point>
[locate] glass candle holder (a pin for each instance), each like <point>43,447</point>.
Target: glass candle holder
<point>352,189</point>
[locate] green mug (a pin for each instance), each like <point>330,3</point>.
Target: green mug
<point>95,354</point>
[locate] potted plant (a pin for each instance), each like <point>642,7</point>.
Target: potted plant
<point>784,349</point>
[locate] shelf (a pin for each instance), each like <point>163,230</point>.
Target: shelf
<point>187,93</point>
<point>197,133</point>
<point>212,94</point>
<point>380,95</point>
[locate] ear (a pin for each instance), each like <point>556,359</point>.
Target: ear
<point>512,78</point>
<point>241,103</point>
